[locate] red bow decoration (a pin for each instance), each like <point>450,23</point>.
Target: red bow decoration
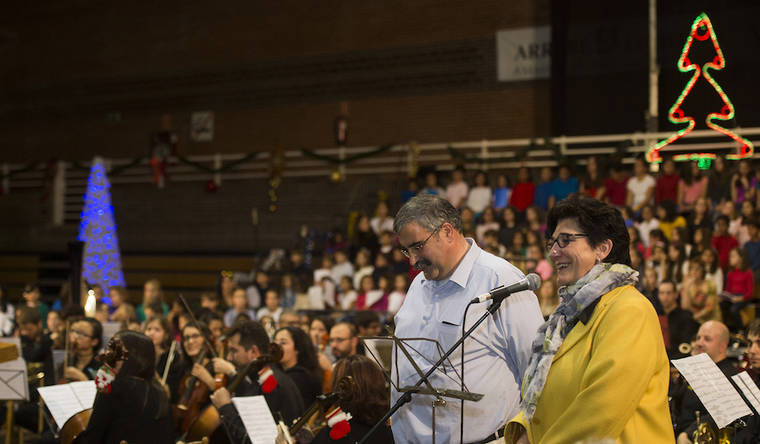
<point>337,419</point>
<point>266,380</point>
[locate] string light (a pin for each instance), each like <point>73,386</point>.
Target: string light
<point>701,30</point>
<point>101,262</point>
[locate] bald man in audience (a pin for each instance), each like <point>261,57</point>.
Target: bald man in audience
<point>343,340</point>
<point>712,338</point>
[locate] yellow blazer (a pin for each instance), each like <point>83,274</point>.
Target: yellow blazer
<point>609,379</point>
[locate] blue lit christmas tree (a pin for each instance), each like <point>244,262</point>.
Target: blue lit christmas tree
<point>101,262</point>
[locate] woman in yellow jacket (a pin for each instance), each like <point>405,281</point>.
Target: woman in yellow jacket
<point>599,369</point>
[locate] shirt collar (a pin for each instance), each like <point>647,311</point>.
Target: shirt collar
<point>461,273</point>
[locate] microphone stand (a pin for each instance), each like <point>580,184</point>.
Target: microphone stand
<point>407,396</point>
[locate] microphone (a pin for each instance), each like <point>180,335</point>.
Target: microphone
<point>531,282</point>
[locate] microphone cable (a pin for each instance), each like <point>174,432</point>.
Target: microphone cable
<point>461,411</point>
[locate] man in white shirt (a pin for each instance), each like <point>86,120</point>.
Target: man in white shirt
<point>454,270</point>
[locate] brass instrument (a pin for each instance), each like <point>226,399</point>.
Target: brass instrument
<point>684,348</point>
<point>707,434</point>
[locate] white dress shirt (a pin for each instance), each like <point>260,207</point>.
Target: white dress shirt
<point>496,355</point>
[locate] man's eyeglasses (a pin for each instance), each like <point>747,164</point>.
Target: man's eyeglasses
<point>338,340</point>
<point>563,240</point>
<point>417,247</point>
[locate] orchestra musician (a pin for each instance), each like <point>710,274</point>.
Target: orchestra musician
<point>85,336</point>
<point>299,360</point>
<point>135,409</point>
<point>599,369</point>
<point>247,341</point>
<point>36,347</point>
<point>198,380</point>
<point>751,433</point>
<point>194,343</point>
<point>158,329</point>
<point>712,338</point>
<point>367,404</point>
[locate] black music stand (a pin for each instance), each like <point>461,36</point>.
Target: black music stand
<point>426,388</point>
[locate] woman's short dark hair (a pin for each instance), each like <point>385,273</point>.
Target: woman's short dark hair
<point>369,400</point>
<point>598,220</point>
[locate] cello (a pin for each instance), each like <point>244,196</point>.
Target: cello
<point>208,423</point>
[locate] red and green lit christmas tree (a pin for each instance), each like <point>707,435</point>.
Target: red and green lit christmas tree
<point>702,33</point>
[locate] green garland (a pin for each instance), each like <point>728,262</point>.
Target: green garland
<point>225,167</point>
<point>349,159</point>
<point>28,167</point>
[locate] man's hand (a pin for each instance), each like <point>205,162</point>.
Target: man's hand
<point>683,438</point>
<point>222,366</point>
<point>221,397</point>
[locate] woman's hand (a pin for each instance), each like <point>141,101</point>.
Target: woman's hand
<point>203,375</point>
<point>222,366</point>
<point>523,439</point>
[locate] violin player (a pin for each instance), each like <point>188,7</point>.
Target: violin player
<point>247,340</point>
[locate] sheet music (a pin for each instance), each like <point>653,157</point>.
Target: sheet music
<point>85,392</point>
<point>257,418</point>
<point>719,397</point>
<point>61,401</point>
<point>745,383</point>
<point>13,380</point>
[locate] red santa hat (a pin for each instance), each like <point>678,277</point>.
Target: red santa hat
<point>337,419</point>
<point>266,380</point>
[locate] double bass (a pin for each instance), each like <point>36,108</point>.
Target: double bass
<point>208,423</point>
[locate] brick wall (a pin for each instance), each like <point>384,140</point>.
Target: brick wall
<point>82,78</point>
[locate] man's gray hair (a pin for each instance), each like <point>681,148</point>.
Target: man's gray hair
<point>428,211</point>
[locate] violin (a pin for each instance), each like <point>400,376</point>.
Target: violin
<point>220,379</point>
<point>208,423</point>
<point>115,351</point>
<point>305,428</point>
<point>194,394</point>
